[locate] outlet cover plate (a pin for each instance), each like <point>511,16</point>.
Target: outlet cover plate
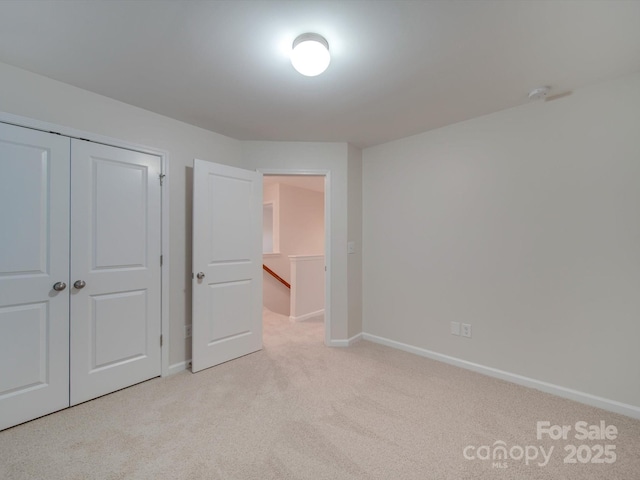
<point>466,330</point>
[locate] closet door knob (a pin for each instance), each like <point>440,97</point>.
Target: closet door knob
<point>60,286</point>
<point>200,275</point>
<point>79,284</point>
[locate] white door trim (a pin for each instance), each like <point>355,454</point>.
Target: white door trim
<point>164,157</point>
<point>327,234</point>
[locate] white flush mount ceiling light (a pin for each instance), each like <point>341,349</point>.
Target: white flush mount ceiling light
<point>310,55</point>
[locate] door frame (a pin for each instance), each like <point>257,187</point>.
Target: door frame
<point>48,127</point>
<point>327,233</point>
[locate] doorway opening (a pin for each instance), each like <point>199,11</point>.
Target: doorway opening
<point>295,252</point>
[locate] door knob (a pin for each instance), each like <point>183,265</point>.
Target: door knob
<point>200,275</point>
<point>79,284</point>
<point>60,286</point>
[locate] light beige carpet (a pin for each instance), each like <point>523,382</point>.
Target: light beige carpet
<point>299,410</point>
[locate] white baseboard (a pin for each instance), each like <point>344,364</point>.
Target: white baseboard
<point>346,343</point>
<point>178,367</point>
<point>586,398</point>
<point>307,316</point>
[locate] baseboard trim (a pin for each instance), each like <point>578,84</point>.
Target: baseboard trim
<point>581,397</point>
<point>178,367</point>
<point>346,343</point>
<point>306,316</point>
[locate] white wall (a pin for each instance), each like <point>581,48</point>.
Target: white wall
<point>523,223</point>
<point>317,156</point>
<point>307,286</point>
<point>354,231</point>
<point>29,95</point>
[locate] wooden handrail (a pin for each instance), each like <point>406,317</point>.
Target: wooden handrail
<point>276,276</point>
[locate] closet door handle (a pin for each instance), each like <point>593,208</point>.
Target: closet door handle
<point>59,286</point>
<point>200,275</point>
<point>79,284</point>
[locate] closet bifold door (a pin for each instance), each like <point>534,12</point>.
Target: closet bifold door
<point>115,269</point>
<point>34,274</point>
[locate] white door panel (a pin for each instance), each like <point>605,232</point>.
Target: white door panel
<point>34,255</point>
<point>115,250</point>
<point>230,208</point>
<point>227,250</point>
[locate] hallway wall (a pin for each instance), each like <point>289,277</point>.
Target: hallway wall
<point>300,225</point>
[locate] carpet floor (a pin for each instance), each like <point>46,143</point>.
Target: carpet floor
<point>300,410</point>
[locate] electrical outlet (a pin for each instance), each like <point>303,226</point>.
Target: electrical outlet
<point>466,330</point>
<point>187,331</point>
<point>455,328</point>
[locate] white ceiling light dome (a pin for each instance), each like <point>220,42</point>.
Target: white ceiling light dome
<point>310,55</point>
<point>540,93</point>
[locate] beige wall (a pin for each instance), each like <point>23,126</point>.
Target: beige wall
<point>301,221</point>
<point>523,223</point>
<point>300,214</point>
<point>33,96</point>
<point>275,296</point>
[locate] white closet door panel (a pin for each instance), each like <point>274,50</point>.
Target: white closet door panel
<point>34,255</point>
<point>115,248</point>
<point>227,253</point>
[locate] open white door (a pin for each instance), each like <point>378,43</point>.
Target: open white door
<point>227,263</point>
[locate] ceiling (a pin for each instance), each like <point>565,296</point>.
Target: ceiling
<point>398,67</point>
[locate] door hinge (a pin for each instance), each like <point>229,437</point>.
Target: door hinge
<point>162,175</point>
<point>160,340</point>
<point>161,259</point>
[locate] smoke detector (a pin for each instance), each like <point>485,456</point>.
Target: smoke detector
<point>538,94</point>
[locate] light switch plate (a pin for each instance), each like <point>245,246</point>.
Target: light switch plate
<point>351,247</point>
<point>455,328</point>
